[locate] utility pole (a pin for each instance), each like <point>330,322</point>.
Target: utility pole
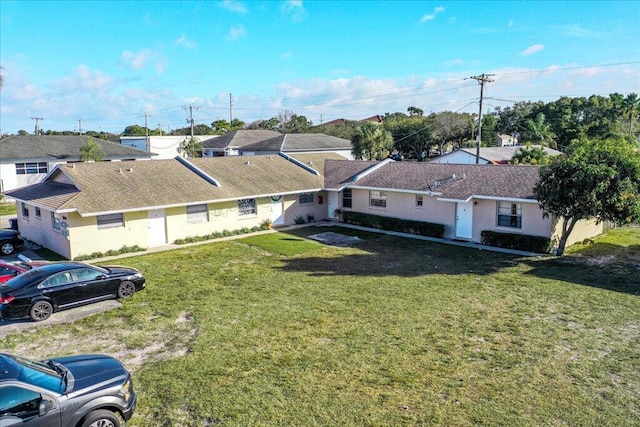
<point>190,119</point>
<point>37,130</point>
<point>230,108</point>
<point>482,79</point>
<point>146,131</point>
<point>80,126</point>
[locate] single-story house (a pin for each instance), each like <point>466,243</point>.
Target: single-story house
<point>26,159</point>
<point>488,155</point>
<point>466,198</point>
<point>164,146</point>
<point>83,208</point>
<point>253,142</point>
<point>506,140</point>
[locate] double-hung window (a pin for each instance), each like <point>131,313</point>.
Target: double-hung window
<point>347,198</point>
<point>197,214</point>
<point>377,199</point>
<point>510,214</point>
<point>25,210</point>
<point>247,207</point>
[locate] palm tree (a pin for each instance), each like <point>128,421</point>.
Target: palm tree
<point>190,148</point>
<point>371,142</point>
<point>91,152</point>
<point>539,132</point>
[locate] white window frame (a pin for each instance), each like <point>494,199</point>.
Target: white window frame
<point>509,214</point>
<point>378,199</point>
<point>25,209</point>
<point>419,200</point>
<point>347,198</point>
<point>56,221</point>
<point>31,168</point>
<point>37,212</point>
<point>110,221</point>
<point>197,214</point>
<point>247,207</point>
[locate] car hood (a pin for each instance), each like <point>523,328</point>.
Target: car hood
<point>93,370</point>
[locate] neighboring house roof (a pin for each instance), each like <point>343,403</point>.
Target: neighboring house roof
<point>374,119</point>
<point>63,148</point>
<point>300,142</point>
<point>499,155</point>
<point>239,138</point>
<point>316,160</point>
<point>447,180</point>
<point>102,187</point>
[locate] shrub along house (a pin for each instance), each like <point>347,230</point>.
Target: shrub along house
<point>458,201</point>
<point>84,208</point>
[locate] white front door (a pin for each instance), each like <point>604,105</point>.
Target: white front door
<point>332,203</point>
<point>464,220</point>
<point>157,228</point>
<point>276,210</point>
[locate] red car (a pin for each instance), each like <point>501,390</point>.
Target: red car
<point>10,269</point>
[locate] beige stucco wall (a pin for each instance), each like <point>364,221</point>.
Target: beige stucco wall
<point>41,231</point>
<point>485,217</point>
<point>584,229</point>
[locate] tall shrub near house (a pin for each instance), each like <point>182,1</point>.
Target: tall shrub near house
<point>596,179</point>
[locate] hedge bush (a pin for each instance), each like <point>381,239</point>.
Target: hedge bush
<point>522,242</point>
<point>394,224</point>
<point>265,225</point>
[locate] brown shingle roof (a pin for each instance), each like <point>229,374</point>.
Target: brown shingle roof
<point>338,173</point>
<point>316,160</point>
<point>239,138</point>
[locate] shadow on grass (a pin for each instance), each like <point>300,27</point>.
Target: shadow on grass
<point>602,265</point>
<point>384,255</point>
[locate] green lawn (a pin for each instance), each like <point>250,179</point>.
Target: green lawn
<point>279,330</point>
<point>7,208</point>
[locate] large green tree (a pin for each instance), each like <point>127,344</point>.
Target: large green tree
<point>222,126</point>
<point>371,142</point>
<point>596,179</point>
<point>190,147</point>
<point>412,136</point>
<point>528,155</point>
<point>92,151</point>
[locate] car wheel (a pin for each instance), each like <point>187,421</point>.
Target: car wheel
<point>126,289</point>
<point>40,311</point>
<point>102,418</point>
<point>7,248</point>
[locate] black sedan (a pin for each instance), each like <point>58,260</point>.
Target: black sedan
<point>39,292</point>
<point>10,241</point>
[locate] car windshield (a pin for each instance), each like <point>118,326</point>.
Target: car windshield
<point>39,374</point>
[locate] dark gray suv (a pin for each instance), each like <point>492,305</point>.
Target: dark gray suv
<point>75,391</point>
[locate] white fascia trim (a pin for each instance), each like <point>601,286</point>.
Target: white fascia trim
<point>177,205</point>
<point>500,199</point>
<point>370,170</point>
<point>394,190</point>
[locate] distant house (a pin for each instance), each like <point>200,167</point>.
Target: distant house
<point>488,155</point>
<point>504,140</point>
<point>84,208</point>
<point>165,146</point>
<point>374,119</point>
<point>26,159</point>
<point>260,142</point>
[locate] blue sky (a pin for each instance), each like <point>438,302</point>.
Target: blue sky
<point>108,63</point>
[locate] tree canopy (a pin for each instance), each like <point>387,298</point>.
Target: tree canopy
<point>596,179</point>
<point>371,142</point>
<point>190,147</point>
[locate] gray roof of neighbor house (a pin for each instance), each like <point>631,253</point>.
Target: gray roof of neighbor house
<point>300,142</point>
<point>63,148</point>
<point>449,181</point>
<point>500,155</point>
<point>102,187</point>
<point>239,138</point>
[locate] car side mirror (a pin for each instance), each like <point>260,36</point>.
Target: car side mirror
<point>44,407</point>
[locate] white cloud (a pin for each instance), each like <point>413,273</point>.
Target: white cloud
<point>431,16</point>
<point>183,41</point>
<point>137,60</point>
<point>532,49</point>
<point>234,6</point>
<point>286,55</point>
<point>236,32</point>
<point>294,9</point>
